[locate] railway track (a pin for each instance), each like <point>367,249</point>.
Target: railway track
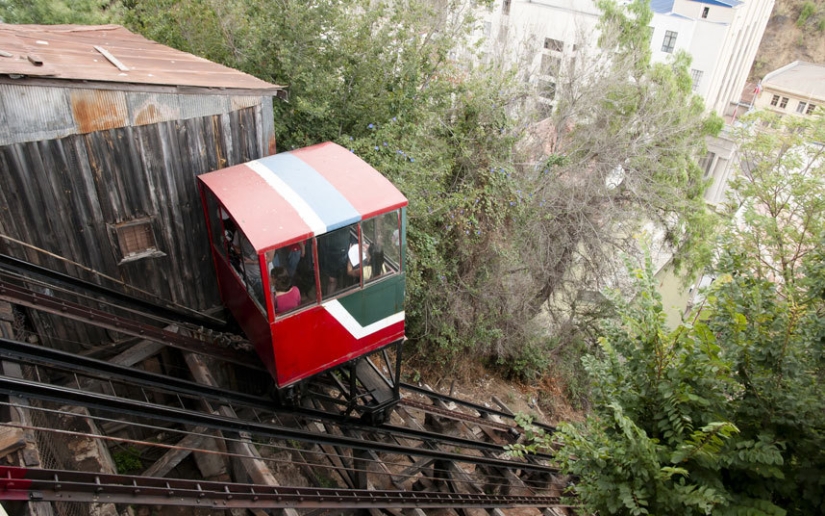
<point>399,464</point>
<point>114,393</point>
<point>51,485</point>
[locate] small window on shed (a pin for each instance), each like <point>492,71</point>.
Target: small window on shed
<point>136,240</point>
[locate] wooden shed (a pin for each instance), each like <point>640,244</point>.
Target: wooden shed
<point>102,134</point>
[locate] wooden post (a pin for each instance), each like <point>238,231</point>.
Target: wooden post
<point>251,462</point>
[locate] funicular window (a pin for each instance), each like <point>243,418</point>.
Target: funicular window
<point>333,260</point>
<point>292,276</point>
<point>245,263</point>
<point>366,251</point>
<point>382,249</point>
<point>221,226</point>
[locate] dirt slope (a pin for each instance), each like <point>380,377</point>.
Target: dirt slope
<point>795,31</point>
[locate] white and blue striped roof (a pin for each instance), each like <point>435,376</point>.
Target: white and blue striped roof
<point>291,196</point>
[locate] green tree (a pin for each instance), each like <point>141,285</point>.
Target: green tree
<point>499,230</point>
<point>771,265</point>
<point>724,415</point>
<point>382,78</point>
<point>346,64</point>
<point>616,155</point>
<point>50,12</point>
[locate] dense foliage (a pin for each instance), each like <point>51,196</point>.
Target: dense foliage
<point>512,209</point>
<point>49,12</point>
<point>724,414</point>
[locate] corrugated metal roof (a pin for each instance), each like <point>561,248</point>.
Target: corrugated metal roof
<point>293,195</point>
<point>78,52</point>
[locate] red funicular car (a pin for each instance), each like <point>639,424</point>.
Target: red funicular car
<point>309,249</point>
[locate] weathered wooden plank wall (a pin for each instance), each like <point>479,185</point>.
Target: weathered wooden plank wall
<point>64,196</point>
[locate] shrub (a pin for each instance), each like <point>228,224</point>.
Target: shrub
<point>128,461</point>
<point>808,8</point>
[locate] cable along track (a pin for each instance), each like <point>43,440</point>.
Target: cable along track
<point>434,469</point>
<point>88,376</point>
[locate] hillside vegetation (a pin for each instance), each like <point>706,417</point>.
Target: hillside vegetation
<point>795,31</point>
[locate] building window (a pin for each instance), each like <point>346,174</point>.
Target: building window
<point>505,7</point>
<point>553,44</point>
<point>705,12</point>
<point>801,107</point>
<point>550,64</point>
<point>696,75</point>
<point>810,109</point>
<point>669,43</point>
<point>706,163</point>
<point>783,103</point>
<point>774,100</point>
<point>547,90</point>
<point>136,240</point>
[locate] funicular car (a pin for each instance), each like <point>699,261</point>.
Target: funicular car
<point>309,249</point>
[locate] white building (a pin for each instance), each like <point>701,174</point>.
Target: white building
<point>722,36</point>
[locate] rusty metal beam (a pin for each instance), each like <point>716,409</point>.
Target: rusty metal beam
<point>38,390</point>
<point>74,486</point>
<point>38,301</point>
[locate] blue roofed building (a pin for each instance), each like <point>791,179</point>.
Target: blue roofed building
<point>550,38</point>
<point>722,36</point>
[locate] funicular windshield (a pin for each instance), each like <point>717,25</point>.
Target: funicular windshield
<point>360,253</point>
<point>348,258</point>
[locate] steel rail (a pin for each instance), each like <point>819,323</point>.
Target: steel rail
<point>32,354</point>
<point>479,408</point>
<point>467,418</point>
<point>57,290</point>
<point>26,388</point>
<point>175,314</point>
<point>343,458</point>
<point>70,486</point>
<point>53,305</point>
<point>460,416</point>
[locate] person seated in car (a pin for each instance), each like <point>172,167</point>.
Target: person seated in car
<point>355,262</point>
<point>285,295</point>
